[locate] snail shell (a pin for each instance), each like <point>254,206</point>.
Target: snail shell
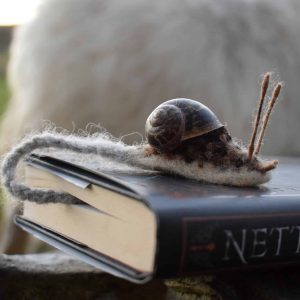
<point>177,120</point>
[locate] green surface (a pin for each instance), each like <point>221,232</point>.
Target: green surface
<point>4,95</point>
<point>4,92</point>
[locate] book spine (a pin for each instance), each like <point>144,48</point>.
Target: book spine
<point>199,244</point>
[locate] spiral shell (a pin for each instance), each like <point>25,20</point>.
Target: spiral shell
<point>177,120</point>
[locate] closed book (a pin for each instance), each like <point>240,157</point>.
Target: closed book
<point>144,226</point>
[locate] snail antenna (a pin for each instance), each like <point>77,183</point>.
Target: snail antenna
<point>263,91</point>
<point>275,95</point>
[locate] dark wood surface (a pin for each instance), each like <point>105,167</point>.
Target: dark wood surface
<point>58,276</point>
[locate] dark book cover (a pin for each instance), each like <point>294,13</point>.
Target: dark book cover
<point>203,227</point>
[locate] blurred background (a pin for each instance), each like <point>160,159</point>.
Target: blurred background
<point>5,37</point>
<point>12,14</point>
<point>110,63</point>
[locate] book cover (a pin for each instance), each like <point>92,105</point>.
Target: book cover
<point>200,227</point>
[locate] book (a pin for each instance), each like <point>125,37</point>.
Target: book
<point>143,226</point>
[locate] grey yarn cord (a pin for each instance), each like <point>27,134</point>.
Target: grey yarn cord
<point>100,145</point>
<point>107,147</point>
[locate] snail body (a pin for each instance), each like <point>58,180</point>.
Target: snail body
<point>186,130</point>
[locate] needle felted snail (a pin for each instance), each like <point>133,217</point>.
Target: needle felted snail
<point>184,138</point>
<point>186,130</point>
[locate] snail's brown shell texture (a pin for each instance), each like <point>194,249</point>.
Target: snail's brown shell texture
<point>177,120</point>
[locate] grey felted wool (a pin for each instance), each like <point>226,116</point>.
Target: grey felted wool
<point>103,151</point>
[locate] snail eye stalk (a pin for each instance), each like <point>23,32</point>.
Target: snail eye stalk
<point>263,91</point>
<point>274,97</point>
